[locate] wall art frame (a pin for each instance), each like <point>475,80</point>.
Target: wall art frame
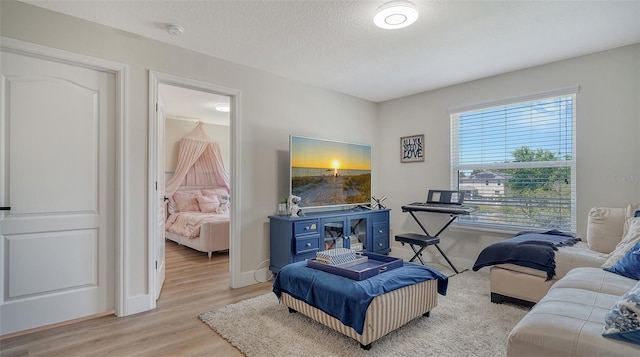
<point>412,148</point>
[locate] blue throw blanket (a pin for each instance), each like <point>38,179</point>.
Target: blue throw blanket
<point>527,249</point>
<point>346,299</point>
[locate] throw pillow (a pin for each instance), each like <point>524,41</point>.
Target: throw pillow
<point>605,228</point>
<point>629,264</point>
<point>208,204</point>
<point>631,212</point>
<point>217,192</point>
<point>629,240</point>
<point>623,321</point>
<point>187,200</point>
<point>172,206</point>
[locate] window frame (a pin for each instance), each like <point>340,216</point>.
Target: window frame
<point>455,165</point>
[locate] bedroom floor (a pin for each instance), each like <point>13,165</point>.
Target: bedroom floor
<point>193,284</point>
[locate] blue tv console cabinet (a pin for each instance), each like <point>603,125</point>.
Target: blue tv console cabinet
<point>295,239</point>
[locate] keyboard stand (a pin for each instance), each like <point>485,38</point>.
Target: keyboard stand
<point>423,241</point>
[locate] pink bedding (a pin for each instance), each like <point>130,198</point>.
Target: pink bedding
<point>188,223</point>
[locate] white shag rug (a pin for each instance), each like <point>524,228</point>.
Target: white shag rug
<point>465,323</point>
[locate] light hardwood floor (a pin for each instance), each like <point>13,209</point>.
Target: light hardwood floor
<point>193,284</point>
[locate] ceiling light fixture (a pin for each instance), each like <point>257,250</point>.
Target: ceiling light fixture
<point>223,107</point>
<point>175,29</point>
<point>396,15</point>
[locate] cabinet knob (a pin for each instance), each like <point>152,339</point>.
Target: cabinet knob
<point>380,231</point>
<point>379,244</point>
<point>306,228</point>
<point>308,245</point>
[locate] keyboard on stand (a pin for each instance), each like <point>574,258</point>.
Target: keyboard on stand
<point>437,207</point>
<point>424,240</point>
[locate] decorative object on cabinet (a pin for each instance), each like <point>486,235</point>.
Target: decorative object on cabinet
<point>378,202</point>
<point>282,206</point>
<point>294,207</point>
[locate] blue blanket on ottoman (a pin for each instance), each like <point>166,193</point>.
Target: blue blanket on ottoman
<point>528,249</point>
<point>346,299</point>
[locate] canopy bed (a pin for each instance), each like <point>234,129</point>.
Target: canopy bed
<point>198,207</point>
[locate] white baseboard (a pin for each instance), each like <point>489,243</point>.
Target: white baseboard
<point>254,277</point>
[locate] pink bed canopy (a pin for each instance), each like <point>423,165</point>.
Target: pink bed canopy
<point>199,163</point>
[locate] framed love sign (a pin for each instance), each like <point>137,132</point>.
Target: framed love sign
<point>412,148</point>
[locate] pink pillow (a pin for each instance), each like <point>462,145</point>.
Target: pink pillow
<point>208,204</point>
<point>215,192</point>
<point>186,201</point>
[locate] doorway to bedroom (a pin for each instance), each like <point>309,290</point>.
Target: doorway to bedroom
<point>190,114</point>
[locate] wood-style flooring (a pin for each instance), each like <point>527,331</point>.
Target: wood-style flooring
<point>193,284</point>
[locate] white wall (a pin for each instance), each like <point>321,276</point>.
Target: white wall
<point>178,128</point>
<point>608,138</point>
<point>271,109</point>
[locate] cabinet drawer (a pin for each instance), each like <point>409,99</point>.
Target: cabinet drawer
<point>380,237</point>
<point>308,244</point>
<point>305,227</point>
<point>380,230</point>
<point>382,217</point>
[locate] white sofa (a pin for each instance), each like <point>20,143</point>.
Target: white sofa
<point>526,286</point>
<point>569,318</point>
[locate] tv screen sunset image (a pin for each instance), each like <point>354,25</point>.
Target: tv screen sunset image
<point>330,173</point>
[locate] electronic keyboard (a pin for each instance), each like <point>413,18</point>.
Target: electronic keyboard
<point>437,207</point>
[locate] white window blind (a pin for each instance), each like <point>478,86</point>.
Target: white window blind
<point>516,161</point>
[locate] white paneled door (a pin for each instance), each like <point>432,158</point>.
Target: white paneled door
<point>57,152</point>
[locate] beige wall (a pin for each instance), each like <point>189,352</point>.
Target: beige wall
<point>175,129</point>
<point>607,127</point>
<point>271,108</point>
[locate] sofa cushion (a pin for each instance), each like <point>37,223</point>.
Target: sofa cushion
<point>623,321</point>
<point>630,239</point>
<point>629,264</point>
<point>578,255</point>
<point>596,280</point>
<point>605,228</point>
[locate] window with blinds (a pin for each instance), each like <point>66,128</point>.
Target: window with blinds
<point>516,161</point>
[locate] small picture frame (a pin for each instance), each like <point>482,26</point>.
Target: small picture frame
<point>412,148</point>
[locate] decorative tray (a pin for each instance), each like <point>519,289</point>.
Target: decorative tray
<point>370,264</point>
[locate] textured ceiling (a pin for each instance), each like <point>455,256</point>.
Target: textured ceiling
<point>334,44</point>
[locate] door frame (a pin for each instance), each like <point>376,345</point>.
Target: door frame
<point>155,79</point>
<point>121,73</point>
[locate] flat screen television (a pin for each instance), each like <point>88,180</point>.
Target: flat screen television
<point>325,173</point>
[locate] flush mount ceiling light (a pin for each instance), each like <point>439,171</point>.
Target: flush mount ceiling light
<point>396,15</point>
<point>175,29</point>
<point>222,107</point>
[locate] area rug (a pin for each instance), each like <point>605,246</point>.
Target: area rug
<point>465,323</point>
